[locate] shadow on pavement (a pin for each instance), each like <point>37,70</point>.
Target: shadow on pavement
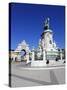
<point>52,77</point>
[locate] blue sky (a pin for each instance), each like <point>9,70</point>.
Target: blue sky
<point>27,23</point>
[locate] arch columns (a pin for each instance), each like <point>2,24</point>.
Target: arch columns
<point>27,57</point>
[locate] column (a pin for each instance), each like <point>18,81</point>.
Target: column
<point>32,55</point>
<point>44,55</point>
<point>61,56</point>
<point>18,56</point>
<point>27,57</point>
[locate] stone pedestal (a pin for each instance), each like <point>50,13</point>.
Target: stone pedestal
<point>38,63</point>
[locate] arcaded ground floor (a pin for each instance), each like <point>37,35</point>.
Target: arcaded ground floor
<point>23,75</point>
